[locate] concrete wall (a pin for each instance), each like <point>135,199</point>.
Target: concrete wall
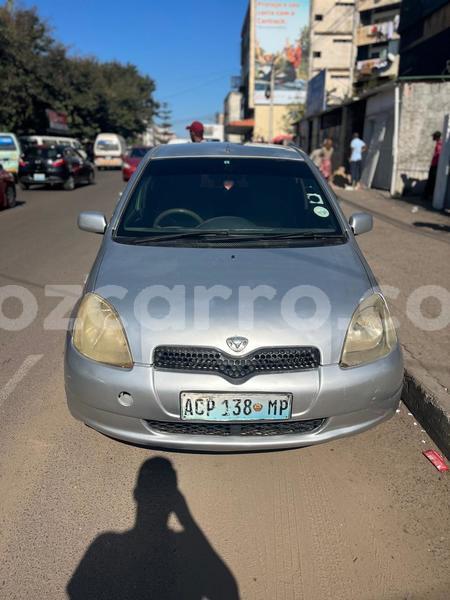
<point>423,106</point>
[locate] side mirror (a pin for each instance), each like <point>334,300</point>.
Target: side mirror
<point>361,223</point>
<point>92,221</point>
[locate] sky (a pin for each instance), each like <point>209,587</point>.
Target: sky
<point>191,48</point>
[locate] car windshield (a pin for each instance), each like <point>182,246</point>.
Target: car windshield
<point>106,145</point>
<point>44,152</point>
<point>7,143</point>
<point>227,195</point>
<point>138,152</point>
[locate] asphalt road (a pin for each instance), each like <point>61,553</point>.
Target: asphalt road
<point>364,518</point>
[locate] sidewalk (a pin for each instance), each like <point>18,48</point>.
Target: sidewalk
<point>408,249</point>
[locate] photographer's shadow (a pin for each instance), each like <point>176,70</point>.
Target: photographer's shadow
<point>152,561</point>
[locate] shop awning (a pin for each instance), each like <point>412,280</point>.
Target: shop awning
<point>240,127</point>
<point>284,137</point>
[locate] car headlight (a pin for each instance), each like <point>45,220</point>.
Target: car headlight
<point>126,165</point>
<point>98,333</point>
<point>370,335</point>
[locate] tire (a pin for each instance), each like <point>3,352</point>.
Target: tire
<point>91,177</point>
<point>10,196</point>
<point>69,184</point>
<point>24,186</point>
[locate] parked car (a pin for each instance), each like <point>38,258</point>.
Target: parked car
<point>7,189</point>
<point>109,150</point>
<point>9,152</point>
<point>230,308</point>
<point>132,159</point>
<point>54,166</point>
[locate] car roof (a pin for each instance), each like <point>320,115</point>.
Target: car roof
<point>221,149</point>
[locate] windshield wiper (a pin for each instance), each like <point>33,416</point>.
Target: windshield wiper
<point>168,237</point>
<point>230,236</point>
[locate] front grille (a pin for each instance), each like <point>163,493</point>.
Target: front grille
<point>197,359</point>
<point>237,429</point>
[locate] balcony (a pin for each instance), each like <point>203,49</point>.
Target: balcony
<point>371,4</point>
<point>376,33</point>
<point>376,67</point>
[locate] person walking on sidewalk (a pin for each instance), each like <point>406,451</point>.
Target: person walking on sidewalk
<point>321,157</point>
<point>327,153</point>
<point>357,147</point>
<point>196,131</point>
<point>431,181</point>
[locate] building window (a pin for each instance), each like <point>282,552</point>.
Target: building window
<point>338,41</point>
<point>345,4</point>
<point>318,17</point>
<point>317,54</point>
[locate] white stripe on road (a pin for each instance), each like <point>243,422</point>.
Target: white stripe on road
<point>21,372</point>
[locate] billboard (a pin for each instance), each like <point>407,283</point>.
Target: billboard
<point>316,98</point>
<point>281,31</point>
<point>57,121</point>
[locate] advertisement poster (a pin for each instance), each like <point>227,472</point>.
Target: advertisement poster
<point>280,43</point>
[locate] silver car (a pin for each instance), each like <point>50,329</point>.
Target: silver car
<point>230,308</point>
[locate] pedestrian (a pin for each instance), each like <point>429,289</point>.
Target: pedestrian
<point>357,146</point>
<point>196,131</point>
<point>431,181</point>
<point>327,153</point>
<point>321,157</point>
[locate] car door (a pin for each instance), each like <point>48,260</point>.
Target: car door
<point>74,163</point>
<point>84,165</point>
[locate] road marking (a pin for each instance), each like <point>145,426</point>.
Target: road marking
<point>21,372</point>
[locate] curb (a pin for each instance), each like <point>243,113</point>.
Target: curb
<point>428,401</point>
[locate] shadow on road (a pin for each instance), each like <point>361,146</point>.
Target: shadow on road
<point>435,226</point>
<point>152,561</point>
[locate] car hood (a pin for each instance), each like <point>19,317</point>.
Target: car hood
<point>202,296</point>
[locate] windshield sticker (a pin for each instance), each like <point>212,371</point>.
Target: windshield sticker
<point>321,211</point>
<point>314,198</point>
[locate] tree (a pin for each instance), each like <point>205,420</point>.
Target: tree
<point>164,127</point>
<point>36,73</point>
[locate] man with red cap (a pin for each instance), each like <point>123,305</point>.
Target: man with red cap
<point>196,130</point>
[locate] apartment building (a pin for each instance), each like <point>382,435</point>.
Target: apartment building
<point>332,26</point>
<point>378,43</point>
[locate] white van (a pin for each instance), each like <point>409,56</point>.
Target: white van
<point>109,150</point>
<point>9,152</point>
<point>52,140</point>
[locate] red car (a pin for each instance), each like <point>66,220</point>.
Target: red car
<point>7,189</point>
<point>132,159</point>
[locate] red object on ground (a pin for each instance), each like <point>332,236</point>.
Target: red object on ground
<point>436,459</point>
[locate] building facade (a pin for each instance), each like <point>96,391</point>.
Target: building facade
<point>331,33</point>
<point>232,113</point>
<point>378,42</point>
<point>273,69</point>
<point>425,38</point>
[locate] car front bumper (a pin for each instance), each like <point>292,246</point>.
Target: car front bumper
<point>349,401</point>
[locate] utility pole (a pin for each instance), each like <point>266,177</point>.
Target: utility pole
<point>272,90</point>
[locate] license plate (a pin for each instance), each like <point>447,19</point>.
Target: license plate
<point>198,406</point>
<point>39,177</point>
